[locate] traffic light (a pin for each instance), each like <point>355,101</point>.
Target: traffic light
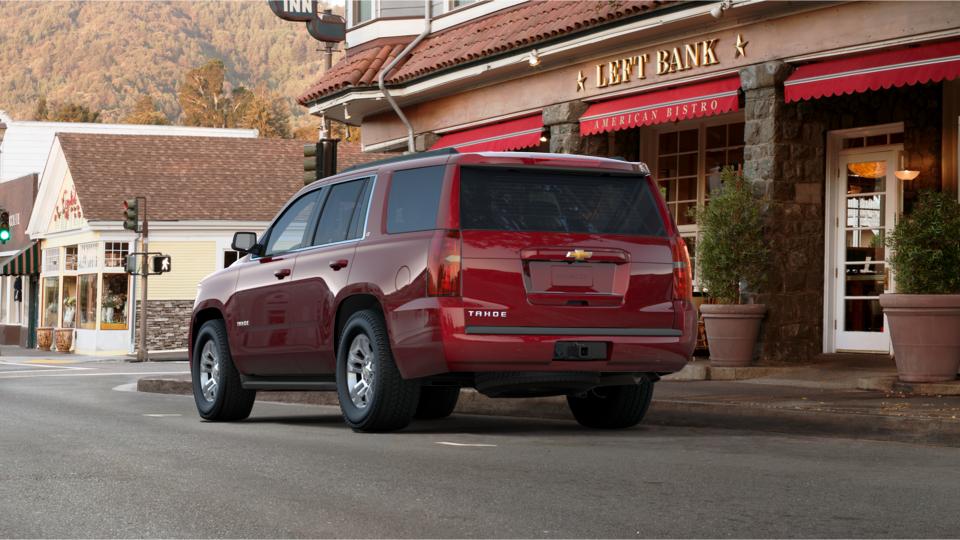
<point>131,215</point>
<point>319,160</point>
<point>4,227</point>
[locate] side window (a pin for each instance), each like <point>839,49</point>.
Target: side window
<point>414,198</point>
<point>338,212</point>
<point>290,231</point>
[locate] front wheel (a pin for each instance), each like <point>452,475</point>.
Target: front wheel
<point>612,407</point>
<point>373,395</point>
<point>216,381</point>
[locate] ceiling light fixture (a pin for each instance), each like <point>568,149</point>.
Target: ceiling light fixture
<point>903,173</point>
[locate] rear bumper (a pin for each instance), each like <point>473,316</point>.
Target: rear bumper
<point>430,337</point>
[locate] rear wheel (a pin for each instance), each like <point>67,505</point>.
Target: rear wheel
<point>437,402</point>
<point>216,382</point>
<point>373,395</point>
<point>612,407</point>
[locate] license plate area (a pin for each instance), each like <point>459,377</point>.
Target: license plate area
<point>580,350</point>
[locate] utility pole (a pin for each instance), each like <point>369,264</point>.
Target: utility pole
<point>142,350</point>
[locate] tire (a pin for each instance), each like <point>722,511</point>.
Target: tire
<point>437,402</point>
<point>225,399</point>
<point>373,396</point>
<point>612,407</point>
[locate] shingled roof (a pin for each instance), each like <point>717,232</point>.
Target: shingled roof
<point>522,26</point>
<point>183,178</point>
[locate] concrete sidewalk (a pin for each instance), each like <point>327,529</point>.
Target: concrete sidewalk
<point>818,399</point>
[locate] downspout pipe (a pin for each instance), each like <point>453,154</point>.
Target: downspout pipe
<point>427,19</point>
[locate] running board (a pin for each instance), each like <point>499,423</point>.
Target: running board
<point>288,385</point>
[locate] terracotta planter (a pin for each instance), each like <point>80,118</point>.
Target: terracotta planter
<point>64,339</point>
<point>925,335</point>
<point>44,338</point>
<point>732,332</point>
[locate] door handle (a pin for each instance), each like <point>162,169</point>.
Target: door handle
<point>338,264</point>
<point>282,273</point>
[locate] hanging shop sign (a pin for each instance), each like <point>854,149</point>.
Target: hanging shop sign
<point>638,67</point>
<point>322,26</point>
<point>294,10</point>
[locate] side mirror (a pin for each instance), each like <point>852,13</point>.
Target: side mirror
<point>245,242</point>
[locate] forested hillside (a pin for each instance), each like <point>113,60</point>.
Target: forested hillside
<point>108,55</point>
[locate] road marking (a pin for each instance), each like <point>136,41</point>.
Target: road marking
<point>49,361</point>
<point>30,374</point>
<point>162,415</point>
<point>33,365</point>
<point>445,443</point>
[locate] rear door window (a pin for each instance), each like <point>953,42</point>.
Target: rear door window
<point>337,219</point>
<point>502,199</point>
<point>414,199</point>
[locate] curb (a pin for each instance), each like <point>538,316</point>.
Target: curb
<point>893,384</point>
<point>667,412</point>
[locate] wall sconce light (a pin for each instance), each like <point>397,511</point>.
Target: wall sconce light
<point>534,58</point>
<point>903,173</point>
<point>346,113</point>
<point>544,137</point>
<point>718,10</point>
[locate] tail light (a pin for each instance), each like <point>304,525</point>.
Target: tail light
<point>443,265</point>
<point>682,278</point>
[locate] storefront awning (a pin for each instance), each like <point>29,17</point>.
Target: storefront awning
<point>509,135</point>
<point>691,101</point>
<point>873,71</point>
<point>26,262</point>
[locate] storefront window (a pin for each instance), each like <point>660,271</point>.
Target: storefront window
<point>87,302</point>
<point>51,260</point>
<point>51,300</point>
<point>113,315</point>
<point>70,258</point>
<point>89,256</point>
<point>677,161</point>
<point>115,254</point>
<point>69,302</point>
<point>362,11</point>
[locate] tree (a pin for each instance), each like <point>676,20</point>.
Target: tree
<point>64,112</point>
<point>40,113</point>
<point>265,111</point>
<point>145,112</point>
<point>202,98</point>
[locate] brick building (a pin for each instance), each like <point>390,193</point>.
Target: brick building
<point>820,104</point>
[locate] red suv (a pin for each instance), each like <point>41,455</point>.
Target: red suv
<point>398,283</point>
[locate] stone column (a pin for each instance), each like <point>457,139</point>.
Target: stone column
<point>563,121</point>
<point>423,141</point>
<point>784,159</point>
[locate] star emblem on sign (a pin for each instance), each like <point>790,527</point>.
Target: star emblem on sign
<point>581,79</point>
<point>741,46</point>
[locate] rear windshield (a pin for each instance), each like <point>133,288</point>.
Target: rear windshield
<point>546,201</point>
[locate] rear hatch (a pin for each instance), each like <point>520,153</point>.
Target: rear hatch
<point>564,252</point>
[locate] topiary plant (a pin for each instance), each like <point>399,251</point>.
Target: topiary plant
<point>926,246</point>
<point>731,247</point>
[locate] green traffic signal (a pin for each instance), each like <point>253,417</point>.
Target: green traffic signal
<point>4,227</point>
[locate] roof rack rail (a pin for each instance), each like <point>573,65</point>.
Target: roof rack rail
<point>404,157</point>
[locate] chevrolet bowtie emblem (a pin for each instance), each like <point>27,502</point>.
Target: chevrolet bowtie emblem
<point>579,255</point>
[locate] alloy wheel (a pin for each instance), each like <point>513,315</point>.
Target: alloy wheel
<point>361,371</point>
<point>209,371</point>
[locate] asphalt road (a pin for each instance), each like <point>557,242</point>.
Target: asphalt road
<point>81,457</point>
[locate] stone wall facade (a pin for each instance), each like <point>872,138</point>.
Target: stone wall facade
<point>168,324</point>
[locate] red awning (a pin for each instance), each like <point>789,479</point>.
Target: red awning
<point>873,71</point>
<point>691,101</point>
<point>509,135</point>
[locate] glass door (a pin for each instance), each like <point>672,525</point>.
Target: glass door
<point>868,199</point>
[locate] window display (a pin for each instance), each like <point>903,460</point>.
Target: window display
<point>69,302</point>
<point>51,301</point>
<point>88,301</point>
<point>113,314</point>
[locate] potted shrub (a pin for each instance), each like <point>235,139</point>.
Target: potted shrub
<point>731,252</point>
<point>924,314</point>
